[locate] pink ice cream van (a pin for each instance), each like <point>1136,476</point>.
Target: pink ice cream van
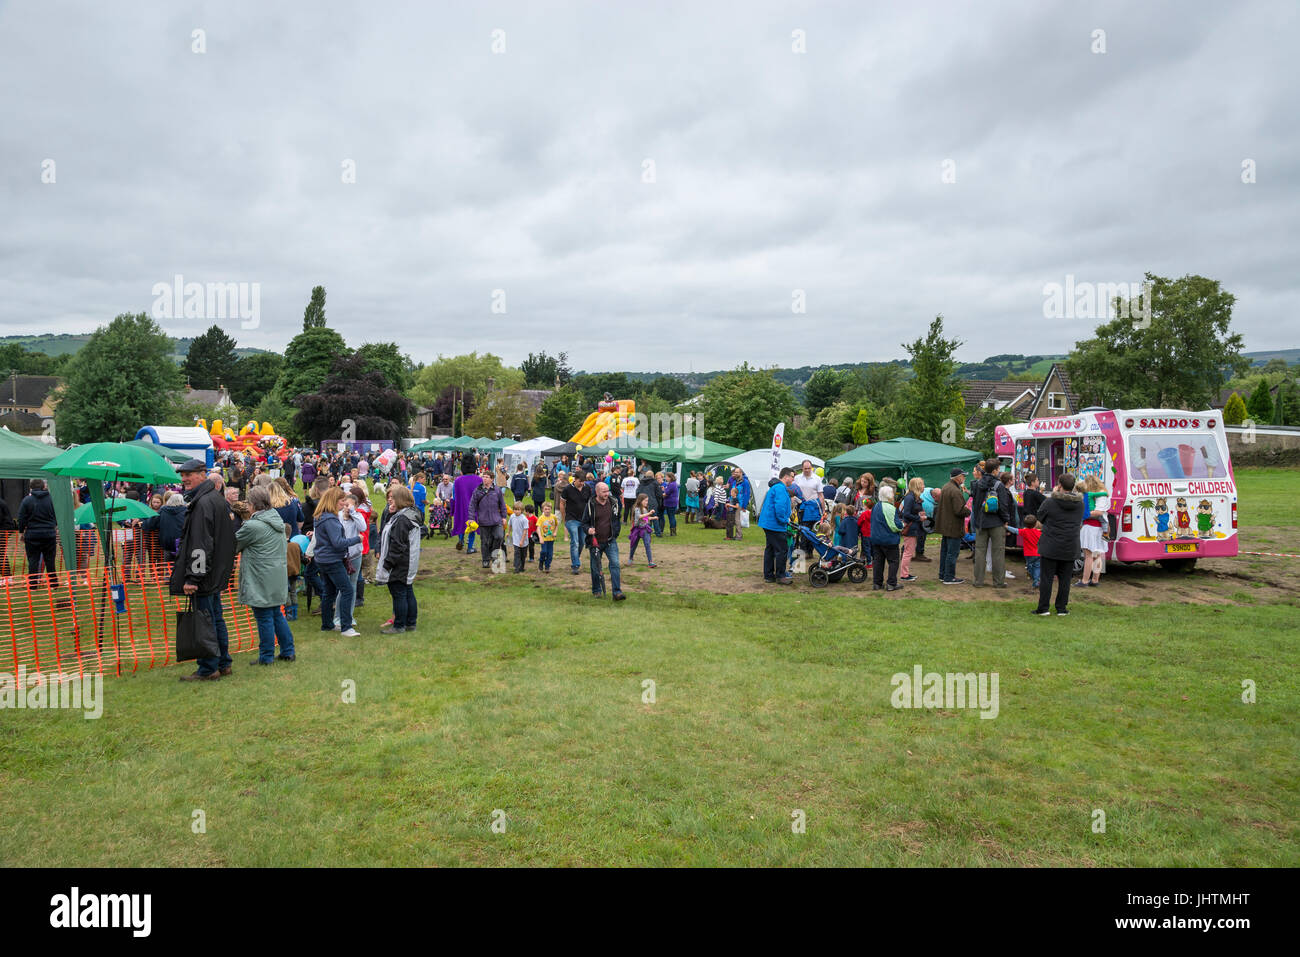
<point>1167,472</point>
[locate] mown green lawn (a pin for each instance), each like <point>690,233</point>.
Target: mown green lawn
<point>526,698</point>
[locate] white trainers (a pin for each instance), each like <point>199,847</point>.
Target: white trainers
<point>351,633</point>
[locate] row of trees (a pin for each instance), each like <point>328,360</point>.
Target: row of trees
<point>123,378</point>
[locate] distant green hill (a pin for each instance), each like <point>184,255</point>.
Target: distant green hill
<point>66,343</point>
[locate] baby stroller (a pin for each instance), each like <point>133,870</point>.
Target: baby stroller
<point>833,561</point>
<point>439,518</point>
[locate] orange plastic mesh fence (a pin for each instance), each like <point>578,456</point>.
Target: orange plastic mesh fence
<point>67,622</point>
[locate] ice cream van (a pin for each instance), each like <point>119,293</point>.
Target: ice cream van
<point>1167,472</point>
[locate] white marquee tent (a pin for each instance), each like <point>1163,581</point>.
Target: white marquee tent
<point>756,465</point>
<point>527,452</point>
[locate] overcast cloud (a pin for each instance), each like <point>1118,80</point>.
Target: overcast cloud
<point>522,171</point>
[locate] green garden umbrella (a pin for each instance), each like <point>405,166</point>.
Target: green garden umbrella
<point>117,510</point>
<point>113,461</point>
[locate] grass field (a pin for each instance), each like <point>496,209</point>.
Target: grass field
<point>523,694</point>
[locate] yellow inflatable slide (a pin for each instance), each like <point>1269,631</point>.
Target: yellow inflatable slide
<point>610,420</point>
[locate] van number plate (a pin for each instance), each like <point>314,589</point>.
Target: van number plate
<point>1179,548</point>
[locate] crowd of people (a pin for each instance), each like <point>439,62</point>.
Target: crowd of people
<point>333,540</point>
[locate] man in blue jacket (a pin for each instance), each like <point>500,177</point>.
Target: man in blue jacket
<point>773,519</point>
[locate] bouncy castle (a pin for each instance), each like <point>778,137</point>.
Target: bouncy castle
<point>259,441</point>
<point>611,420</point>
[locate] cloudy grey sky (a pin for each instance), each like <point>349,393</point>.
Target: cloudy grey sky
<point>524,170</point>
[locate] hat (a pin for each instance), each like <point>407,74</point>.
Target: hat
<point>193,465</point>
<point>955,472</point>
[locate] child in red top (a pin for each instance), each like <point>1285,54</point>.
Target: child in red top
<point>1028,537</point>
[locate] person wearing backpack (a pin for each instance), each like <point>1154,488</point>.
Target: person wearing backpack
<point>991,510</point>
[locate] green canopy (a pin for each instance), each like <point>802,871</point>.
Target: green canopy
<point>171,455</point>
<point>690,451</point>
<point>429,445</point>
<point>25,458</point>
<point>895,457</point>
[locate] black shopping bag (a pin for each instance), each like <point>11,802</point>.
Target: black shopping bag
<point>196,635</point>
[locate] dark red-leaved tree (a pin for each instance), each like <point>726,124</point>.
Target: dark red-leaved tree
<point>352,402</point>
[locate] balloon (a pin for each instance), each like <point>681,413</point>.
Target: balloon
<point>615,455</point>
<point>577,448</point>
<point>821,471</point>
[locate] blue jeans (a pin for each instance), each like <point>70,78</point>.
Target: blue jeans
<point>471,539</point>
<point>404,607</point>
<point>672,519</point>
<point>949,549</point>
<point>597,578</point>
<point>574,528</point>
<point>212,605</point>
<point>644,540</point>
<point>548,554</point>
<point>354,579</point>
<point>335,582</point>
<point>272,626</point>
<point>1034,569</point>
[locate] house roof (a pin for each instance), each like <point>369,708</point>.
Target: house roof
<point>982,394</point>
<point>22,423</point>
<point>207,396</point>
<point>31,390</point>
<point>1071,395</point>
<point>535,397</point>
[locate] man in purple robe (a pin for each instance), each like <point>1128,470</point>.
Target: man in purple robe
<point>462,491</point>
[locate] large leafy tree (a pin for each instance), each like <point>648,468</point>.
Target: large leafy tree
<point>742,407</point>
<point>211,361</point>
<point>877,385</point>
<point>122,379</point>
<point>352,391</point>
<point>670,388</point>
<point>313,316</point>
<point>541,370</point>
<point>929,406</point>
<point>503,413</point>
<point>562,413</point>
<point>387,358</point>
<point>254,378</point>
<point>594,387</point>
<point>308,359</point>
<point>1180,358</point>
<point>470,372</point>
<point>824,387</point>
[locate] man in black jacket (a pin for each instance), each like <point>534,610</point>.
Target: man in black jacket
<point>205,560</point>
<point>1060,515</point>
<point>600,521</point>
<point>990,527</point>
<point>40,531</point>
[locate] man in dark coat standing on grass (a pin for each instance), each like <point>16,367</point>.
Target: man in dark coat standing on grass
<point>205,560</point>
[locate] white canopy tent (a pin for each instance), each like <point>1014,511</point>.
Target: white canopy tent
<point>527,452</point>
<point>756,465</point>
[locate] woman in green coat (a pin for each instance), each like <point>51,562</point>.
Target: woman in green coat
<point>264,576</point>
